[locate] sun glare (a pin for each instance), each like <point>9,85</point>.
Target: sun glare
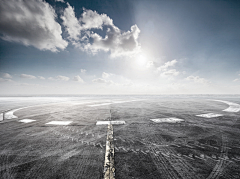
<point>141,61</point>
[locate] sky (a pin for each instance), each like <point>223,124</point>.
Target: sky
<point>119,47</point>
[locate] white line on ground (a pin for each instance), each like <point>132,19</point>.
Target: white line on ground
<point>209,115</point>
<point>27,120</point>
<point>59,122</point>
<point>109,169</point>
<point>10,115</point>
<point>1,117</point>
<point>233,107</point>
<point>110,122</point>
<point>114,102</point>
<point>169,120</point>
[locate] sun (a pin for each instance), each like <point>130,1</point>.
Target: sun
<point>141,61</point>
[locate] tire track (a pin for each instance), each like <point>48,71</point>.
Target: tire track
<point>220,165</point>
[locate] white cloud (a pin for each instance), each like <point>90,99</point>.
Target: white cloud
<point>6,75</point>
<point>171,72</point>
<point>63,78</point>
<point>166,72</point>
<point>31,22</point>
<point>119,44</point>
<point>78,79</point>
<point>106,75</point>
<point>51,78</point>
<point>71,23</point>
<point>27,76</point>
<point>150,64</point>
<point>104,81</point>
<point>113,80</point>
<point>197,79</point>
<point>235,80</point>
<point>167,65</point>
<point>91,19</point>
<point>83,71</point>
<point>81,33</point>
<point>5,80</point>
<point>41,77</point>
<point>59,77</point>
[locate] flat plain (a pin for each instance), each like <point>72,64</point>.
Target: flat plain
<point>58,137</point>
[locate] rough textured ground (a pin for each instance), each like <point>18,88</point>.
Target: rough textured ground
<point>196,148</point>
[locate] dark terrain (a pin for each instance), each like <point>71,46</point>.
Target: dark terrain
<point>195,148</point>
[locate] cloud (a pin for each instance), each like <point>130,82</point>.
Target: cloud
<point>104,81</point>
<point>51,78</point>
<point>41,77</point>
<point>78,79</point>
<point>106,75</point>
<point>6,75</point>
<point>165,71</point>
<point>235,80</point>
<point>119,44</point>
<point>167,65</point>
<point>150,64</point>
<point>27,76</point>
<point>59,77</point>
<point>5,80</point>
<point>171,72</point>
<point>83,71</point>
<point>197,79</point>
<point>71,23</point>
<point>31,22</point>
<point>63,78</point>
<point>113,80</point>
<point>82,35</point>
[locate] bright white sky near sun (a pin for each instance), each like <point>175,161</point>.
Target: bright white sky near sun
<point>119,47</point>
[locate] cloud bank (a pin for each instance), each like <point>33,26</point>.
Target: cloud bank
<point>81,33</point>
<point>31,22</point>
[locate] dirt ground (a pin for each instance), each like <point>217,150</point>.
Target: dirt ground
<point>197,147</point>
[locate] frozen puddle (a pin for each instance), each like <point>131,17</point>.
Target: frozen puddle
<point>59,122</point>
<point>169,120</point>
<point>27,120</point>
<point>110,122</point>
<point>233,107</point>
<point>209,115</point>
